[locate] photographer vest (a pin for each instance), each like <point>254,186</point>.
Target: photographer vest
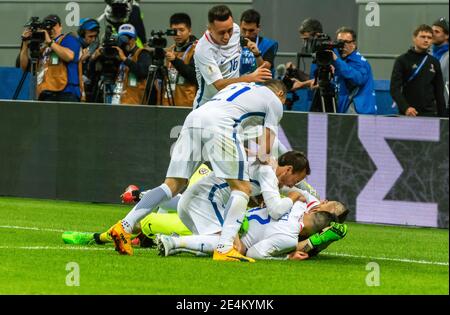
<point>133,90</point>
<point>183,93</point>
<point>52,75</point>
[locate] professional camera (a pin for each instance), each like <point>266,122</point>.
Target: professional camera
<point>291,73</point>
<point>37,34</point>
<point>118,11</point>
<point>109,59</point>
<point>321,46</point>
<point>158,42</point>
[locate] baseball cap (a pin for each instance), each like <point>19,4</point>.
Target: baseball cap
<point>442,23</point>
<point>53,18</point>
<point>127,29</point>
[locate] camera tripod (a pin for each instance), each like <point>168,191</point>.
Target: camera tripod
<point>158,71</point>
<point>33,83</point>
<point>324,99</point>
<point>106,89</point>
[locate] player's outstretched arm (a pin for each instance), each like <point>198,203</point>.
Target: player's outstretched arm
<point>320,241</point>
<point>261,74</point>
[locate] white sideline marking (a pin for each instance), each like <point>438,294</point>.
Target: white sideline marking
<point>425,262</point>
<point>390,259</point>
<point>328,254</point>
<point>29,228</point>
<point>58,248</point>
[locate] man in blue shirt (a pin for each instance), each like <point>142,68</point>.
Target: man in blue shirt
<point>440,51</point>
<point>58,77</point>
<point>353,77</point>
<point>257,49</point>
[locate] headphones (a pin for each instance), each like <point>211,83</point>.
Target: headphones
<point>87,24</point>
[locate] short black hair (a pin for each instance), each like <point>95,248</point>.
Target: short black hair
<point>423,28</point>
<point>276,85</point>
<point>310,26</point>
<point>297,160</point>
<point>251,16</point>
<point>181,18</point>
<point>343,211</point>
<point>321,220</point>
<point>219,13</point>
<point>346,29</point>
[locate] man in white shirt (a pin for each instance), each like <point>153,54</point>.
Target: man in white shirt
<point>214,133</point>
<point>217,57</point>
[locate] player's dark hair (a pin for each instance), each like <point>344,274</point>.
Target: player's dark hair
<point>321,220</point>
<point>276,85</point>
<point>341,212</point>
<point>181,18</point>
<point>423,28</point>
<point>348,30</point>
<point>297,160</point>
<point>251,16</point>
<point>219,13</point>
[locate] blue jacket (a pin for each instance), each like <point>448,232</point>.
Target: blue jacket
<point>355,72</point>
<point>248,60</point>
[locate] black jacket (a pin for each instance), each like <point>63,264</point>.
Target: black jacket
<point>425,92</point>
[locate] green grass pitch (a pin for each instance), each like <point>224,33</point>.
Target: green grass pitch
<point>34,259</point>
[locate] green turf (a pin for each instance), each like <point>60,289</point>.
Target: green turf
<point>34,261</point>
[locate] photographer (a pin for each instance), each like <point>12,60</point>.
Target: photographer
<point>87,32</point>
<point>119,12</point>
<point>353,77</point>
<point>257,49</point>
<point>58,75</point>
<point>180,63</point>
<point>296,79</point>
<point>133,70</point>
<point>308,30</point>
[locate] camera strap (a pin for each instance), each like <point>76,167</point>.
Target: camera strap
<point>416,72</point>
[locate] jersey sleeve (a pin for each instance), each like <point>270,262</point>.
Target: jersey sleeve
<point>275,204</point>
<point>275,247</point>
<point>207,65</point>
<point>274,114</point>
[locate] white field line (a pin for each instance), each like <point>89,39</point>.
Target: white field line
<point>389,259</point>
<point>405,260</point>
<point>29,228</point>
<point>59,248</point>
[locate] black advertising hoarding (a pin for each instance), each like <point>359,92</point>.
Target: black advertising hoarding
<point>388,170</point>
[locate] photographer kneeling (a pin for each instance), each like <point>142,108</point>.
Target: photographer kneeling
<point>353,77</point>
<point>132,75</point>
<point>58,75</point>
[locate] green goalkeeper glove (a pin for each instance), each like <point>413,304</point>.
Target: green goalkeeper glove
<point>320,241</point>
<point>244,226</point>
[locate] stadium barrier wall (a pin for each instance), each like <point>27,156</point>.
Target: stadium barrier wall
<point>388,170</point>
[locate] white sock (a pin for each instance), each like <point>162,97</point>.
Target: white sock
<point>200,243</point>
<point>150,200</point>
<point>234,214</point>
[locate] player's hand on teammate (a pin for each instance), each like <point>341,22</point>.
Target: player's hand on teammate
<point>298,255</point>
<point>296,196</point>
<point>261,74</point>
